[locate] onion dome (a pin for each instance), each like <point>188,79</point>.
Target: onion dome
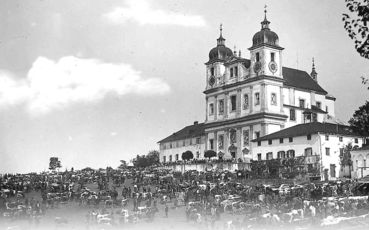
<point>220,52</point>
<point>265,36</point>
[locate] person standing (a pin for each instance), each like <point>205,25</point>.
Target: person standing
<point>166,210</point>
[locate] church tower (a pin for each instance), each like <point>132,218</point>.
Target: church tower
<point>215,68</point>
<point>314,74</point>
<point>265,52</point>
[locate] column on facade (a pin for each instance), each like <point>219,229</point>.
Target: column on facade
<point>226,141</point>
<point>226,105</point>
<point>251,100</point>
<point>251,137</point>
<point>216,141</point>
<point>207,108</point>
<point>215,107</point>
<point>281,99</point>
<point>263,98</point>
<point>206,141</point>
<point>291,97</point>
<point>312,99</point>
<point>263,129</point>
<point>239,101</point>
<point>239,143</point>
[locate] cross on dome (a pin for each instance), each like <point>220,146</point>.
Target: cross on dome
<point>265,23</point>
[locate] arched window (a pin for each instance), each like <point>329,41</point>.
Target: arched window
<point>269,156</point>
<point>281,154</point>
<point>291,153</point>
<point>308,152</point>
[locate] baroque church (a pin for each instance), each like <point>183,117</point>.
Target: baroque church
<point>247,99</point>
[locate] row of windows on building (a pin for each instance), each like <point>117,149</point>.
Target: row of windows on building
<point>181,143</point>
<point>245,105</point>
<point>233,71</point>
<point>272,56</point>
<point>280,155</point>
<point>232,139</point>
<point>289,154</point>
<point>176,157</point>
<point>308,137</point>
<point>307,117</point>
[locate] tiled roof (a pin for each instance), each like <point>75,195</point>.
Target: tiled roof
<point>309,128</point>
<point>191,131</point>
<point>300,79</point>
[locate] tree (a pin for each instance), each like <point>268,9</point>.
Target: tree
<point>360,120</point>
<point>357,27</point>
<point>123,164</point>
<point>54,163</point>
<point>186,156</point>
<point>143,161</point>
<point>153,157</point>
<point>209,154</point>
<point>345,157</point>
<point>356,24</point>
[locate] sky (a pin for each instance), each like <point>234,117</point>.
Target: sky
<point>96,82</point>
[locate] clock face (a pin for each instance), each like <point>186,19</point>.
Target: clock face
<point>257,67</point>
<point>212,80</point>
<point>273,67</point>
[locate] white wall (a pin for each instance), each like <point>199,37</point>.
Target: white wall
<point>194,148</point>
<point>331,107</point>
<point>299,144</point>
<point>358,157</point>
<point>269,90</point>
<point>334,144</point>
<point>318,145</point>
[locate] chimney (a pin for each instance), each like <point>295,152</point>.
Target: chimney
<point>196,123</point>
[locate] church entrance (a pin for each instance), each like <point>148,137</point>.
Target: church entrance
<point>232,150</point>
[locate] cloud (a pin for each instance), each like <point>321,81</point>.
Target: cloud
<point>56,84</point>
<point>141,12</point>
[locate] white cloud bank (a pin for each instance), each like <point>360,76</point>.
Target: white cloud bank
<point>141,12</point>
<point>56,84</point>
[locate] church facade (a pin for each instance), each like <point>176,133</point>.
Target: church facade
<point>250,98</point>
<point>247,99</point>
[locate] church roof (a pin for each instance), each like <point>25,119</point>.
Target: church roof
<point>191,131</point>
<point>310,128</point>
<point>301,80</point>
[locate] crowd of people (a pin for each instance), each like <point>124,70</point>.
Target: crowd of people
<point>212,200</point>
